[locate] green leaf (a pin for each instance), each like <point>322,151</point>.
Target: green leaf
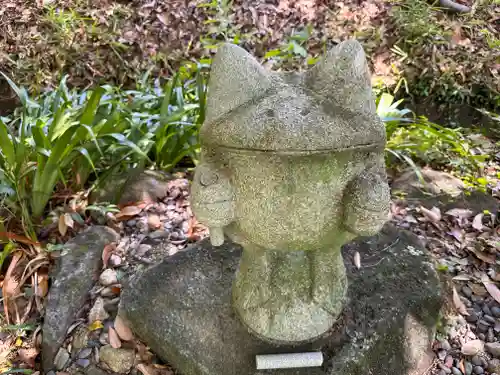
<point>124,141</point>
<point>7,145</point>
<point>298,49</point>
<point>91,107</point>
<point>272,53</point>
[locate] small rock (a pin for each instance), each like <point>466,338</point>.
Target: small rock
<point>70,287</point>
<point>472,317</point>
<point>490,336</point>
<point>103,338</point>
<point>466,291</point>
<point>497,328</point>
<point>80,338</point>
<point>481,336</point>
<point>108,277</point>
<point>477,299</point>
<point>114,260</point>
<point>158,234</point>
<point>456,371</point>
<point>131,223</point>
<point>445,345</point>
<point>94,370</point>
<point>483,326</point>
<point>461,321</point>
<point>494,365</point>
<point>84,353</point>
<point>108,292</point>
<point>442,372</point>
<point>51,372</point>
<point>495,311</point>
<point>143,249</point>
<point>478,370</point>
<point>493,348</point>
<point>107,324</point>
<point>97,312</point>
<point>478,308</point>
<point>472,347</point>
<point>83,362</point>
<point>61,359</point>
<point>442,354</point>
<point>448,361</point>
<point>486,309</point>
<point>489,319</point>
<point>118,360</point>
<point>468,368</point>
<point>476,361</point>
<point>111,305</point>
<point>444,368</point>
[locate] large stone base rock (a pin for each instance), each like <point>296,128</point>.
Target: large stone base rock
<point>182,309</point>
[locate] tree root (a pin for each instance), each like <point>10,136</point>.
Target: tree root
<point>455,7</point>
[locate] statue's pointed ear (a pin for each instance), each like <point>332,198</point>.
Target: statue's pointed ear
<point>343,77</point>
<point>235,78</point>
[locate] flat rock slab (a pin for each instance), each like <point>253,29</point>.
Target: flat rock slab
<point>181,308</point>
<point>75,275</point>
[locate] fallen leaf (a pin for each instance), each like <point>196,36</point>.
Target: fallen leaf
<point>122,329</point>
<point>459,305</point>
<point>18,238</point>
<point>433,214</point>
<point>462,367</point>
<point>146,370</point>
<point>459,213</point>
<point>357,260</point>
<point>457,234</point>
<point>114,340</point>
<point>28,356</point>
<point>462,277</point>
<point>472,347</point>
<point>10,284</point>
<point>63,228</point>
<point>106,253</point>
<point>162,19</point>
<point>478,290</point>
<point>96,325</point>
<point>488,258</point>
<point>491,288</point>
<point>477,223</point>
<point>128,211</point>
<point>43,285</point>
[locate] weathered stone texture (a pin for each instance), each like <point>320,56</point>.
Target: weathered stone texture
<point>182,309</point>
<point>291,162</point>
<point>77,271</point>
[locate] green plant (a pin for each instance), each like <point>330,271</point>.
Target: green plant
<point>64,137</point>
<point>42,144</point>
<point>415,140</point>
<point>292,51</point>
<point>416,22</point>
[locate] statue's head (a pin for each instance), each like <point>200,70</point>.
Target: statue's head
<point>281,151</point>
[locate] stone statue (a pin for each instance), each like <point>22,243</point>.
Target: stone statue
<point>292,168</point>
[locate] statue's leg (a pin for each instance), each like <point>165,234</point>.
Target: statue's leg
<point>251,289</point>
<point>289,296</point>
<point>329,280</point>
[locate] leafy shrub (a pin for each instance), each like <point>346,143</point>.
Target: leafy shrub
<point>63,137</point>
<point>415,140</point>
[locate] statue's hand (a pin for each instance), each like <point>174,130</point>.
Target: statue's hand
<point>366,205</point>
<point>212,200</point>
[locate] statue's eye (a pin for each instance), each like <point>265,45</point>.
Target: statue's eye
<point>208,178</point>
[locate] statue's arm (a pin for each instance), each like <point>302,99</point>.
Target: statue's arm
<point>367,199</point>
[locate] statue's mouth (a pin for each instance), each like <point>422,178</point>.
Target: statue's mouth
<point>361,147</point>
